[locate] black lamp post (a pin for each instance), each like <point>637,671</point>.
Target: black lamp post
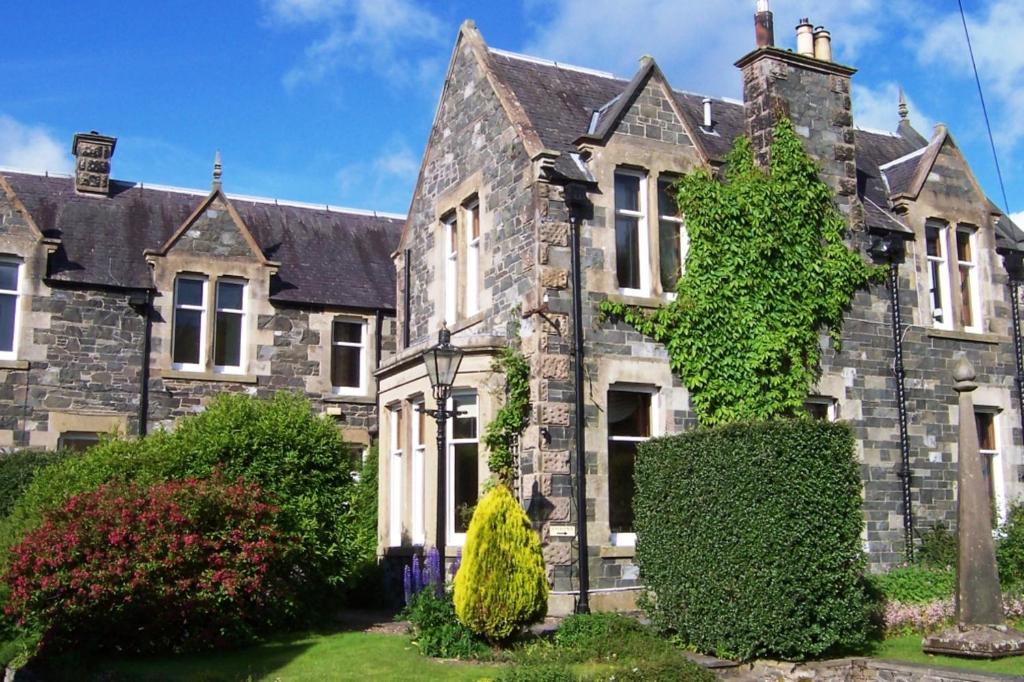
<point>1013,260</point>
<point>442,362</point>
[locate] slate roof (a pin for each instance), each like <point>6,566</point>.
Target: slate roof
<point>328,256</point>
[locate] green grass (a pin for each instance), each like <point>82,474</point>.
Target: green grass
<point>908,649</point>
<point>337,656</point>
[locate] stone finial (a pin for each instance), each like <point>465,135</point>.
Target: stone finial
<point>645,60</point>
<point>903,108</point>
<point>217,170</point>
<point>964,375</point>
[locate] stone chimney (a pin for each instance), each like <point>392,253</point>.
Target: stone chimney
<point>92,153</point>
<point>815,95</point>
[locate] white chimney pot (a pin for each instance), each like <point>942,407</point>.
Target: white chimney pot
<point>707,113</point>
<point>805,38</point>
<point>762,6</point>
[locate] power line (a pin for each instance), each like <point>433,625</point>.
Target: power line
<point>984,109</point>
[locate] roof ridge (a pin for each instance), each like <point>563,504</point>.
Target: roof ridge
<point>552,62</point>
<point>878,131</point>
<point>904,158</point>
<point>727,100</point>
<point>330,208</point>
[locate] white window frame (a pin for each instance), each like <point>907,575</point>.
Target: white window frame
<point>458,539</point>
<point>395,461</point>
<point>684,239</point>
<point>643,229</point>
<point>629,539</point>
<point>972,275</point>
<point>363,356</point>
<point>995,462</point>
<point>16,293</point>
<point>242,312</point>
<point>471,211</point>
<point>451,267</point>
<point>419,455</point>
<point>945,290</point>
<point>203,318</point>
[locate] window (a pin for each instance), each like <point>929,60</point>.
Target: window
<point>228,332</point>
<point>189,333</point>
<point>419,454</point>
<point>463,465</point>
<point>9,286</point>
<point>451,268</point>
<point>395,478</point>
<point>821,408</point>
<point>631,241</point>
<point>968,273</point>
<point>991,463</point>
<point>348,356</point>
<point>629,424</point>
<point>472,214</point>
<point>938,274</point>
<point>77,441</point>
<point>356,458</point>
<point>671,236</point>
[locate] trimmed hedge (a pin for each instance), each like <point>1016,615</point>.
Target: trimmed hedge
<point>19,468</point>
<point>749,538</point>
<point>1010,550</point>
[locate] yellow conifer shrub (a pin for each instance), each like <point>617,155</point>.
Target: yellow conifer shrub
<point>501,584</point>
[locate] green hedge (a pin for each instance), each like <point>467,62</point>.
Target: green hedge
<point>1010,550</point>
<point>19,468</point>
<point>915,584</point>
<point>749,538</point>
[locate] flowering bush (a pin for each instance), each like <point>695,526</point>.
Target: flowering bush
<point>901,618</point>
<point>179,565</point>
<point>431,612</point>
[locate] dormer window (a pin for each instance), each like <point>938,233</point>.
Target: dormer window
<point>968,273</point>
<point>190,345</point>
<point>671,236</point>
<point>632,268</point>
<point>189,336</point>
<point>228,345</point>
<point>10,278</point>
<point>938,274</point>
<point>953,287</point>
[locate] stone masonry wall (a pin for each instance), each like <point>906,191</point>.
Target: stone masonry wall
<point>651,116</point>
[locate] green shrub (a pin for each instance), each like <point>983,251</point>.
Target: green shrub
<point>19,468</point>
<point>278,444</point>
<point>596,635</point>
<point>749,536</point>
<point>914,584</point>
<point>436,630</point>
<point>1010,550</point>
<point>938,547</point>
<point>501,584</point>
<point>538,672</point>
<point>365,588</point>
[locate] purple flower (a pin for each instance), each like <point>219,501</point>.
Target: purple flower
<point>407,583</point>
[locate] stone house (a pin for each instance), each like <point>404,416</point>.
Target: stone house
<point>124,306</point>
<point>521,146</point>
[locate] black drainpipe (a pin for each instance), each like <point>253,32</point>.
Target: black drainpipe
<point>142,303</point>
<point>1014,263</point>
<point>889,247</point>
<point>576,199</point>
<point>378,337</point>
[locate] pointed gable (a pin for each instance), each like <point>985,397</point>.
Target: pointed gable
<point>651,114</point>
<point>214,230</point>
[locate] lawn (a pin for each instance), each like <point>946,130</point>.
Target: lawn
<point>336,656</point>
<point>908,649</point>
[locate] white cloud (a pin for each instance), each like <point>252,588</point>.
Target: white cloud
<point>31,148</point>
<point>1018,218</point>
<point>370,35</point>
<point>878,108</point>
<point>999,52</point>
<point>385,182</point>
<point>695,47</point>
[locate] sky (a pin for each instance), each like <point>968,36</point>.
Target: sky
<point>331,101</point>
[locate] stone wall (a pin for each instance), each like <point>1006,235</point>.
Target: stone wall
<point>852,670</point>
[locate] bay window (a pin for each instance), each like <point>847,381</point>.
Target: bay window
<point>463,465</point>
<point>396,436</point>
<point>451,268</point>
<point>472,214</point>
<point>419,454</point>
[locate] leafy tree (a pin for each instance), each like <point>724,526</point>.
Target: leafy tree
<point>767,270</point>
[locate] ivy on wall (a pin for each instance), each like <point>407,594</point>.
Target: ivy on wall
<point>767,270</point>
<point>504,430</point>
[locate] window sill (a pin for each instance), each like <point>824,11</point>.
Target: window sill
<point>638,301</point>
<point>974,337</point>
<point>472,320</point>
<point>13,364</point>
<point>357,399</point>
<point>209,376</point>
<point>618,551</point>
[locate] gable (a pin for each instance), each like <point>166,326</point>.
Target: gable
<point>214,231</point>
<point>15,220</point>
<point>950,177</point>
<point>652,115</point>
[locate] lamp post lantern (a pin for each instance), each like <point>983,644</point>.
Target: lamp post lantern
<point>442,362</point>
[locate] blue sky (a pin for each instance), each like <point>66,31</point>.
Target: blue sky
<point>330,101</point>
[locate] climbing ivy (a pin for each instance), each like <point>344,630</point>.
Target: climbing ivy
<point>508,424</point>
<point>767,270</point>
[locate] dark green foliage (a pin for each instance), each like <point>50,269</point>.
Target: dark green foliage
<point>502,432</point>
<point>766,272</point>
<point>436,630</point>
<point>19,468</point>
<point>366,585</point>
<point>612,646</point>
<point>1010,551</point>
<point>278,444</point>
<point>749,535</point>
<point>914,584</point>
<point>938,547</point>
